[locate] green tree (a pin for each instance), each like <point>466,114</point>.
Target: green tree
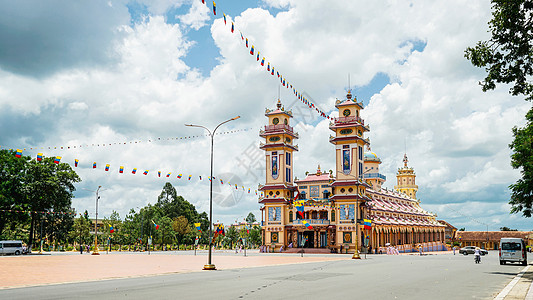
<point>232,235</point>
<point>181,227</point>
<point>49,187</point>
<point>505,228</point>
<point>80,230</point>
<point>522,158</point>
<point>507,55</point>
<point>250,219</point>
<point>508,58</point>
<point>255,236</point>
<point>12,172</point>
<point>173,206</point>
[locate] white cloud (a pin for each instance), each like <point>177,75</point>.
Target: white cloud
<point>456,135</point>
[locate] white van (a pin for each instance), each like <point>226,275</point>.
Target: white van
<point>10,247</point>
<point>513,250</point>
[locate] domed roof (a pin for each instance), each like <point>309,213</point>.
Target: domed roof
<point>371,156</point>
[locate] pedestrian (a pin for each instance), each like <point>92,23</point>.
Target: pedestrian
<point>81,249</point>
<point>453,250</point>
<point>420,249</point>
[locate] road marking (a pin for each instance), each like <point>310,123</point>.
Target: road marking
<point>511,284</point>
<point>529,295</point>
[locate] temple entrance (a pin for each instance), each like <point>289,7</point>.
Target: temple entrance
<point>306,239</point>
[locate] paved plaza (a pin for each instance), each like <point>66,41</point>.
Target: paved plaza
<point>260,276</point>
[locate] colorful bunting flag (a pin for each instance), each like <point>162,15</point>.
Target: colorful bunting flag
<point>158,173</point>
<point>224,18</point>
<point>107,167</point>
<point>155,225</point>
<point>76,161</point>
<point>121,169</point>
<point>94,165</point>
<point>200,177</point>
<point>111,229</point>
<point>197,225</point>
<point>262,61</point>
<point>232,27</point>
<point>190,176</point>
<point>246,42</point>
<point>252,50</point>
<point>39,156</point>
<point>307,224</point>
<point>367,223</point>
<point>134,171</point>
<point>268,66</point>
<point>214,8</point>
<point>145,172</point>
<point>168,175</point>
<point>258,55</point>
<point>57,160</point>
<point>18,153</point>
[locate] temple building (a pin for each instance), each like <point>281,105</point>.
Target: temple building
<point>346,209</point>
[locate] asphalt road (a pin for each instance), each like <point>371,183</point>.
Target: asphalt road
<point>378,277</point>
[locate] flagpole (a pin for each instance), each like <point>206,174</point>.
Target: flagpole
<point>209,265</point>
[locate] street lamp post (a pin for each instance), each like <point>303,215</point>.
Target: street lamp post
<point>95,251</point>
<point>209,265</point>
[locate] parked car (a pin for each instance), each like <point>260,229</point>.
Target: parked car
<point>513,250</point>
<point>470,250</point>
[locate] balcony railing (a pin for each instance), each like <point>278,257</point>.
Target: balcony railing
<point>349,120</point>
<point>375,175</point>
<point>312,221</point>
<point>278,127</point>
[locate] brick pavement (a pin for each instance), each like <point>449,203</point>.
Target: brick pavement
<point>31,270</point>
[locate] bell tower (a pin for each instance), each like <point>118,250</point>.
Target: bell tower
<point>349,189</point>
<point>279,187</point>
<point>406,180</point>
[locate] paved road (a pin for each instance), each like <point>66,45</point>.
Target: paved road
<point>378,277</point>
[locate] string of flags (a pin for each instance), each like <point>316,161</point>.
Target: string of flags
<point>39,212</point>
<point>271,70</point>
<point>107,168</point>
<point>87,145</point>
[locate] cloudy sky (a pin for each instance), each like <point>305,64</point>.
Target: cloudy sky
<point>121,78</point>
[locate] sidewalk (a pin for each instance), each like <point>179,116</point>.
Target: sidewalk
<point>33,270</point>
<point>521,287</point>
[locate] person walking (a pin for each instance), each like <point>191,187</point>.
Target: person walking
<point>453,250</point>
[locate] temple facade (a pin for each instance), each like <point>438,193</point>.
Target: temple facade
<point>345,209</point>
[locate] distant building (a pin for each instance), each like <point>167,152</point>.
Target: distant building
<point>449,231</point>
<point>490,240</point>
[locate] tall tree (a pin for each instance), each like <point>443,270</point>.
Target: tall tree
<point>507,57</point>
<point>522,157</point>
<point>49,187</point>
<point>12,170</point>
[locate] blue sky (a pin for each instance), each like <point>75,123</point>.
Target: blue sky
<point>105,73</point>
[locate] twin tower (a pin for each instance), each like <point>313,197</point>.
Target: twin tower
<point>347,187</point>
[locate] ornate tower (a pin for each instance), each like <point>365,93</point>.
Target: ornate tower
<point>406,180</point>
<point>349,189</point>
<point>371,171</point>
<point>279,189</point>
